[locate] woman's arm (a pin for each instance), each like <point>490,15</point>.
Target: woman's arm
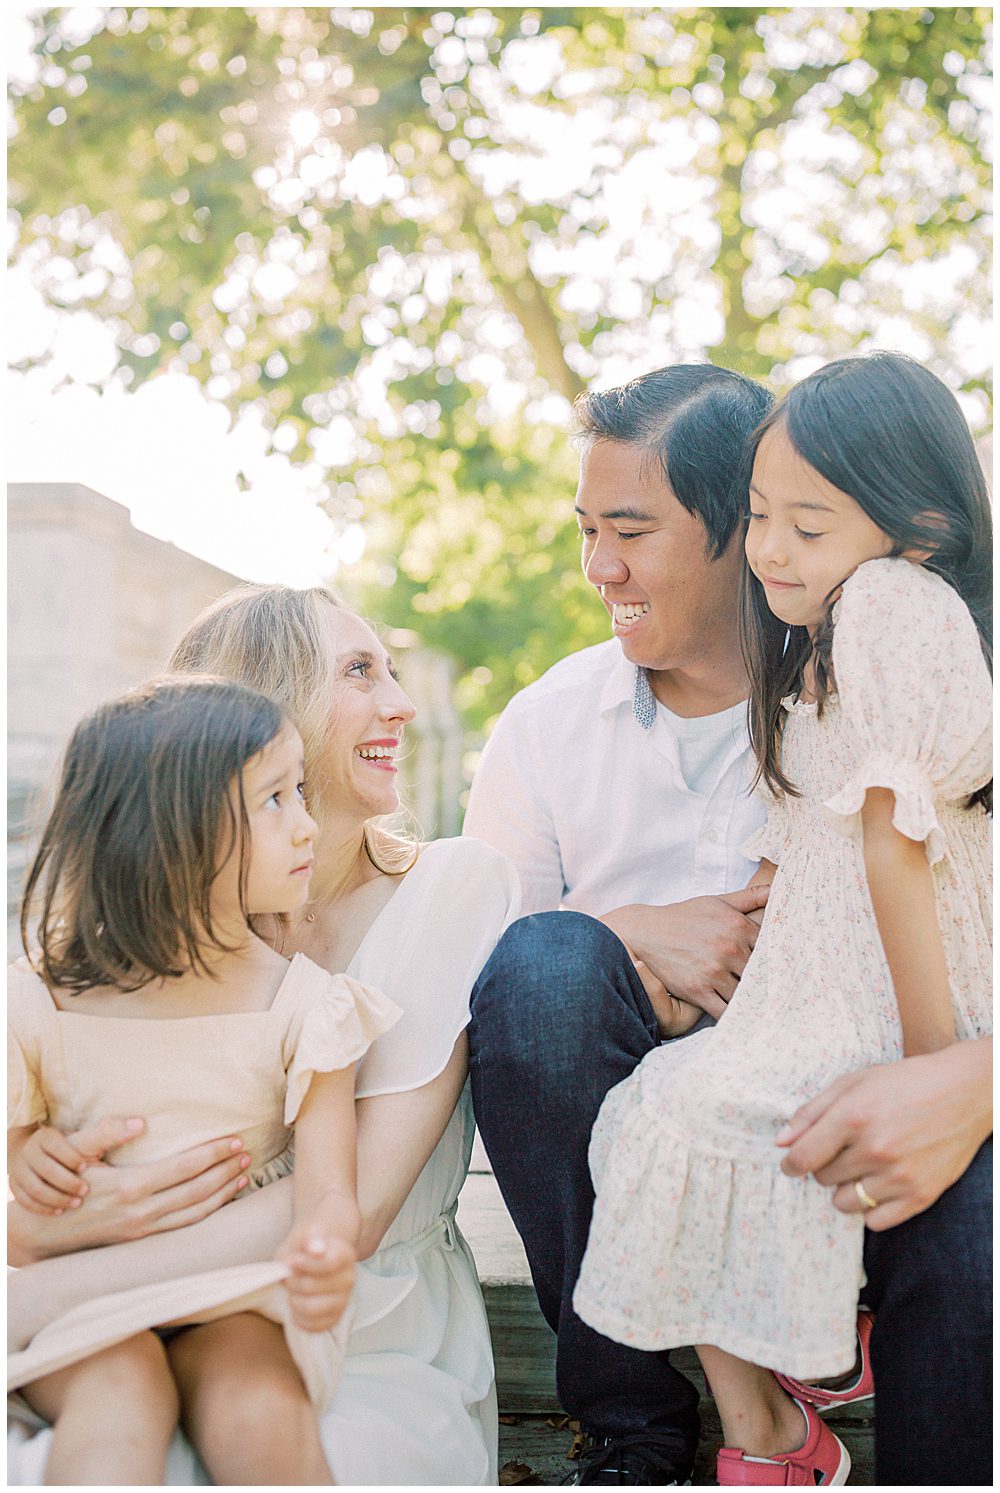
<point>230,1236</point>
<point>902,892</point>
<point>396,1135</point>
<point>129,1202</point>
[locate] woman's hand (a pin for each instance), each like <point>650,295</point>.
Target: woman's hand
<point>321,1254</point>
<point>128,1202</point>
<point>906,1131</point>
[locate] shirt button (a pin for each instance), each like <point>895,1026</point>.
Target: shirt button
<point>711,835</point>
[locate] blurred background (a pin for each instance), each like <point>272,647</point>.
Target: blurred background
<point>310,293</point>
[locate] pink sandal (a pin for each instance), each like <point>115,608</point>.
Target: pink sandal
<point>863,1387</point>
<point>823,1461</point>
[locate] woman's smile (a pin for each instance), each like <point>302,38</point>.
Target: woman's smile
<point>380,754</point>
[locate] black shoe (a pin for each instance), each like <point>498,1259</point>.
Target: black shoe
<point>637,1458</point>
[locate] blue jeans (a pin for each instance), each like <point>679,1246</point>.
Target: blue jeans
<point>930,1288</point>
<point>559,1017</point>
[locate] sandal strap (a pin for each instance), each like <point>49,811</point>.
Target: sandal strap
<point>752,1473</point>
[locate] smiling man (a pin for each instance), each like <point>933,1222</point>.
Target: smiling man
<point>618,784</point>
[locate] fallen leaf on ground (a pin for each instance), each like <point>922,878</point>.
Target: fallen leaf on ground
<point>579,1442</point>
<point>512,1473</point>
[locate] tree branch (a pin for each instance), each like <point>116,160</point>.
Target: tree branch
<point>504,257</point>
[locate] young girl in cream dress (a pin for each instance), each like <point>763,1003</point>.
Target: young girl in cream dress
<point>868,633</point>
<point>180,814</point>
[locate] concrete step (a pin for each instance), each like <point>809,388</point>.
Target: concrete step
<point>535,1436</point>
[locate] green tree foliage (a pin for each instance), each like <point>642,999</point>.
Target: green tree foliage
<point>347,216</point>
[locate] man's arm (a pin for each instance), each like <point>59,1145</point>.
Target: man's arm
<point>907,1130</point>
<point>508,808</point>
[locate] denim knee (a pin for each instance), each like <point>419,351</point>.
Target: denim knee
<point>556,988</point>
<point>943,1255</point>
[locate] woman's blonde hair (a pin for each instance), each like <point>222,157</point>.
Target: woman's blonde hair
<point>276,639</point>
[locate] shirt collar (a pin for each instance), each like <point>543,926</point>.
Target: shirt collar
<point>627,684</point>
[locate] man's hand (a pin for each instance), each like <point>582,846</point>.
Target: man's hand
<point>696,949</point>
<point>905,1130</point>
<point>129,1202</point>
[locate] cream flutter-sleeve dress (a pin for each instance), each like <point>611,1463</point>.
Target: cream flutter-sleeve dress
<point>697,1235</point>
<point>193,1079</point>
<point>416,1403</point>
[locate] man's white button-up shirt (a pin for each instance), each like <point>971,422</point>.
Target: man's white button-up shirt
<point>593,809</point>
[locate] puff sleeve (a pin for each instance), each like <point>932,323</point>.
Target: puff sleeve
<point>915,692</point>
<point>768,842</point>
<point>26,1001</point>
<point>337,1021</point>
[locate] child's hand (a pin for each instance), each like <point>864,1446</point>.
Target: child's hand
<point>757,916</point>
<point>44,1171</point>
<point>322,1275</point>
<point>674,1017</point>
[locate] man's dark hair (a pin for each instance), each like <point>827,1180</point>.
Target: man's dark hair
<point>694,420</point>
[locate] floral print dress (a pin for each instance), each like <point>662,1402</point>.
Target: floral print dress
<point>697,1235</point>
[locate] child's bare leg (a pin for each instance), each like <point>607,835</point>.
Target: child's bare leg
<point>756,1413</point>
<point>114,1415</point>
<point>244,1406</point>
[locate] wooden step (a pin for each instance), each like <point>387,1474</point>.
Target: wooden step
<point>532,1433</point>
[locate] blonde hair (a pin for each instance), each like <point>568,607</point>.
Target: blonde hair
<point>276,639</point>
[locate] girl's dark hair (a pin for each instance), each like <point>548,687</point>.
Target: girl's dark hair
<point>892,436</point>
<point>142,823</point>
<point>694,421</point>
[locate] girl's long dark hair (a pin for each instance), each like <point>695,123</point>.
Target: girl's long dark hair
<point>142,822</point>
<point>892,436</point>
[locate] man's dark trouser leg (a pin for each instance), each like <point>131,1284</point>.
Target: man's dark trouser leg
<point>559,1016</point>
<point>929,1286</point>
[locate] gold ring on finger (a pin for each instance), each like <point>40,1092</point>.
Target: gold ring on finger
<point>864,1196</point>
